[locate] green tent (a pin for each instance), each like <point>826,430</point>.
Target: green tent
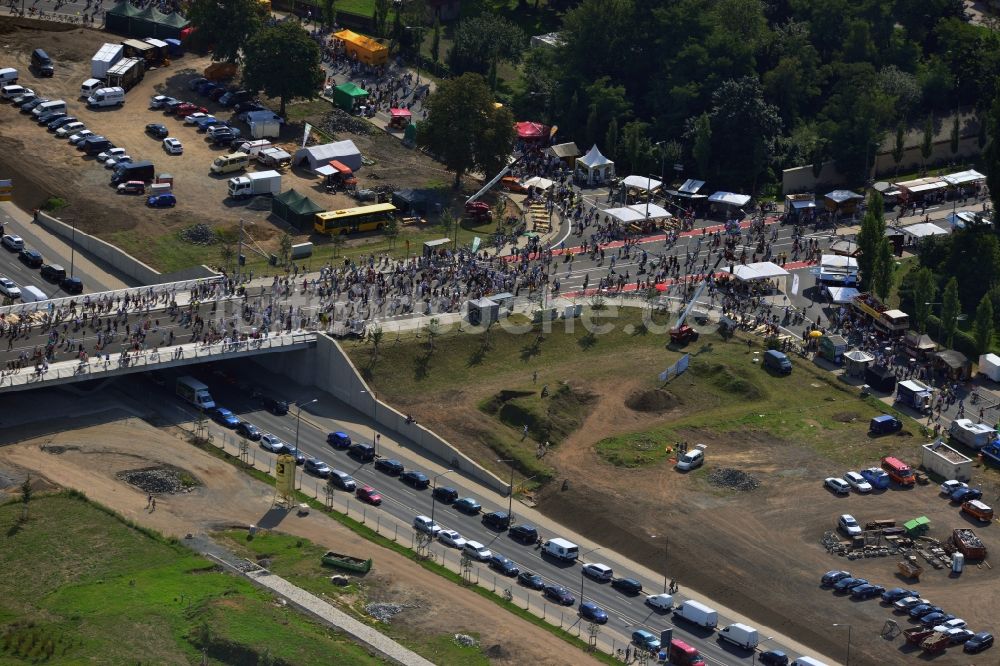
<point>126,19</point>
<point>410,133</point>
<point>348,95</point>
<point>121,17</point>
<point>296,209</point>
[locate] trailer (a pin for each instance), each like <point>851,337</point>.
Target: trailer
<point>969,544</point>
<point>935,643</point>
<point>105,58</point>
<point>889,320</point>
<point>989,365</point>
<point>126,73</point>
<point>915,394</point>
<point>916,635</point>
<point>347,562</point>
<point>974,435</point>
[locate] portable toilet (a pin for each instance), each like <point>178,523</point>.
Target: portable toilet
<point>957,563</point>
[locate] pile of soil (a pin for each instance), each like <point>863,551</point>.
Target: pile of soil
<point>736,479</point>
<point>845,417</point>
<point>655,400</point>
<point>159,480</point>
<point>338,120</point>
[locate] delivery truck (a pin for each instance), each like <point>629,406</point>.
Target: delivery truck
<point>194,392</point>
<point>740,634</point>
<point>267,183</point>
<point>561,549</point>
<point>697,613</point>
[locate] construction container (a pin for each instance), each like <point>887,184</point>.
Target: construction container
<point>957,563</point>
<point>941,459</point>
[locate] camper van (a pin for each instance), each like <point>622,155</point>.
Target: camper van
<point>231,162</point>
<point>113,96</point>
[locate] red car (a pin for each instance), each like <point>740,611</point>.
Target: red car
<point>187,108</point>
<point>368,494</point>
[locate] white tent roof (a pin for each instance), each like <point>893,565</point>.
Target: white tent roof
<point>762,270</point>
<point>539,182</point>
<point>593,158</point>
<point>642,183</point>
<point>924,229</point>
<point>326,170</point>
<point>922,184</point>
<point>841,295</point>
<point>837,261</point>
<point>963,177</point>
<point>691,186</point>
<point>840,196</point>
<point>729,198</point>
<point>344,151</point>
<point>859,356</point>
<point>625,214</point>
<point>655,212</point>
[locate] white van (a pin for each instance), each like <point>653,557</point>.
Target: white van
<point>692,459</point>
<point>88,87</point>
<point>8,75</point>
<point>231,162</point>
<point>46,107</point>
<point>12,91</point>
<point>32,294</point>
<point>114,96</point>
<point>252,148</point>
<point>808,661</point>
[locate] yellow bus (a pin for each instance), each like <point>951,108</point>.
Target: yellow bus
<point>352,220</point>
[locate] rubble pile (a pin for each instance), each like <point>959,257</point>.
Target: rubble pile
<point>199,234</point>
<point>384,612</point>
<point>736,479</point>
<point>155,480</point>
<point>465,640</point>
<point>338,120</point>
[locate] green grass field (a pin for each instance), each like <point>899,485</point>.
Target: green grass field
<point>82,586</point>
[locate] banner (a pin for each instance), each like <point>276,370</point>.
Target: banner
<point>795,284</point>
<point>683,364</point>
<point>305,134</point>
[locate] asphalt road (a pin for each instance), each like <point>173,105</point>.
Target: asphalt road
<point>403,502</point>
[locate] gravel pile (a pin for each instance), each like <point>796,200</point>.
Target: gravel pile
<point>199,234</point>
<point>384,612</point>
<point>341,121</point>
<point>154,480</point>
<point>465,640</point>
<point>727,477</point>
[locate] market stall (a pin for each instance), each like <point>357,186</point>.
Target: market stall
<point>362,48</point>
<point>349,96</point>
<point>594,168</point>
<point>531,132</point>
<point>842,201</point>
<point>399,119</point>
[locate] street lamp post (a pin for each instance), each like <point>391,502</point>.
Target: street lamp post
<point>375,437</point>
<point>434,496</point>
<point>665,544</point>
<point>847,662</point>
<point>298,418</point>
<point>758,649</point>
<point>510,493</point>
<point>592,550</point>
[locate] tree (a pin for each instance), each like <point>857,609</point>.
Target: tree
<point>899,149</point>
<point>375,335</point>
<point>26,492</point>
<point>924,293</point>
<point>871,235</point>
<point>483,42</point>
<point>981,137</point>
<point>391,230</point>
<point>951,307</point>
<point>882,269</point>
<point>285,247</point>
<point>338,241</point>
<point>983,326</point>
<point>611,139</point>
<point>927,145</point>
<point>283,61</point>
<point>701,150</point>
<point>636,146</point>
<point>436,40</point>
<point>954,136</point>
<point>745,129</point>
<point>380,16</point>
<point>330,12</point>
<point>991,160</point>
<point>465,128</point>
<point>228,26</point>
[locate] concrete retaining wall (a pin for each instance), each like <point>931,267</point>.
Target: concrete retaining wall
<point>111,255</point>
<point>328,367</point>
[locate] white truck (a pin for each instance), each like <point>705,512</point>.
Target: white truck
<point>254,184</point>
<point>194,392</point>
<point>697,613</point>
<point>561,549</point>
<point>663,602</point>
<point>974,435</point>
<point>740,634</point>
<point>113,96</point>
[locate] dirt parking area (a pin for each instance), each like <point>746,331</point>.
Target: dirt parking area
<point>44,166</point>
<point>219,496</point>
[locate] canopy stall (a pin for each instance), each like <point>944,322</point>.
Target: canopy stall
<point>642,183</point>
<point>126,19</point>
<point>594,168</point>
<point>539,183</point>
<point>689,190</point>
<point>963,178</point>
<point>531,131</point>
<point>799,202</point>
<point>399,118</point>
<point>841,295</point>
<point>760,271</point>
<point>856,362</point>
<point>317,156</point>
<point>296,209</point>
<point>730,199</point>
<point>920,187</point>
<point>837,269</point>
<point>844,201</point>
<point>923,230</point>
<point>653,211</point>
<point>363,48</point>
<point>966,218</point>
<point>847,248</point>
<point>565,152</point>
<point>954,363</point>
<point>624,215</point>
<point>349,96</point>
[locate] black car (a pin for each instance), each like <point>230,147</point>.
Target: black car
<point>496,520</point>
<point>363,452</point>
<point>157,130</point>
<point>194,83</point>
<point>504,565</point>
<point>31,258</point>
<point>342,480</point>
<point>224,138</point>
<point>416,479</point>
<point>979,642</point>
<point>172,105</point>
<point>389,466</point>
<point>559,594</point>
<point>27,107</point>
<point>275,406</point>
<point>47,118</point>
<point>773,658</point>
<point>524,533</point>
<point>530,579</point>
<point>445,494</point>
<point>56,123</point>
<point>53,272</point>
<point>72,285</point>
<point>627,585</point>
<point>248,430</point>
<point>300,458</point>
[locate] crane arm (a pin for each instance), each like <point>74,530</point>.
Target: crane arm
<point>687,309</point>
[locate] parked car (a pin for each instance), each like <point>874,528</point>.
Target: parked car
<point>848,524</point>
<point>559,594</point>
<point>445,494</point>
<point>362,451</point>
<point>524,533</point>
<point>132,187</point>
<point>224,417</point>
<point>369,495</point>
<point>275,406</point>
<point>316,467</point>
<point>597,571</point>
<point>846,584</point>
<point>389,466</point>
<point>300,458</point>
<point>953,623</point>
<point>978,642</point>
<point>157,101</point>
<point>906,603</point>
<point>627,585</point>
<point>592,612</point>
<point>950,486</point>
<point>193,118</point>
<point>31,258</point>
<point>895,594</point>
<point>468,505</point>
<point>173,146</point>
<point>342,480</point>
<point>76,139</point>
<point>504,565</point>
<point>157,130</point>
<point>959,636</point>
<point>110,152</point>
<point>61,122</point>
<point>837,485</point>
<point>451,538</point>
<point>170,106</point>
<point>531,580</point>
<point>773,658</point>
<point>71,285</point>
<point>416,479</point>
<point>165,200</point>
<point>921,610</point>
<point>69,129</point>
<point>867,591</point>
<point>425,524</point>
<point>187,108</point>
<point>477,551</point>
<point>338,440</point>
<point>966,495</point>
<point>858,482</point>
<point>52,272</point>
<point>831,577</point>
<point>272,443</point>
<point>935,618</point>
<point>12,242</point>
<point>47,118</point>
<point>205,122</point>
<point>248,430</point>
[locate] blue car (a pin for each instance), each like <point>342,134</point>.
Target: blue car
<point>921,610</point>
<point>979,642</point>
<point>224,417</point>
<point>468,505</point>
<point>934,619</point>
<point>897,593</point>
<point>847,584</point>
<point>867,591</point>
<point>966,495</point>
<point>504,565</point>
<point>645,639</point>
<point>339,440</point>
<point>591,611</point>
<point>167,200</point>
<point>204,123</point>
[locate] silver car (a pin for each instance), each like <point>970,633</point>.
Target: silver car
<point>8,288</point>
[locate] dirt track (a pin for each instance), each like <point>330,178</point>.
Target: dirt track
<point>90,457</point>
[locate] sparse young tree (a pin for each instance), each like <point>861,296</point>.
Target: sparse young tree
<point>391,230</point>
<point>375,335</point>
<point>338,241</point>
<point>983,326</point>
<point>26,492</point>
<point>950,309</point>
<point>285,247</point>
<point>899,149</point>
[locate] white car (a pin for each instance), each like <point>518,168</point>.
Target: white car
<point>172,146</point>
<point>12,242</point>
<point>957,623</point>
<point>272,443</point>
<point>477,551</point>
<point>837,485</point>
<point>70,128</point>
<point>111,152</point>
<point>80,136</point>
<point>116,159</point>
<point>858,482</point>
<point>598,571</point>
<point>948,487</point>
<point>451,538</point>
<point>425,524</point>
<point>194,117</point>
<point>848,524</point>
<point>157,101</point>
<point>8,288</point>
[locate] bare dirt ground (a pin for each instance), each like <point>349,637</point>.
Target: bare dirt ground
<point>44,166</point>
<point>88,459</point>
<point>757,552</point>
